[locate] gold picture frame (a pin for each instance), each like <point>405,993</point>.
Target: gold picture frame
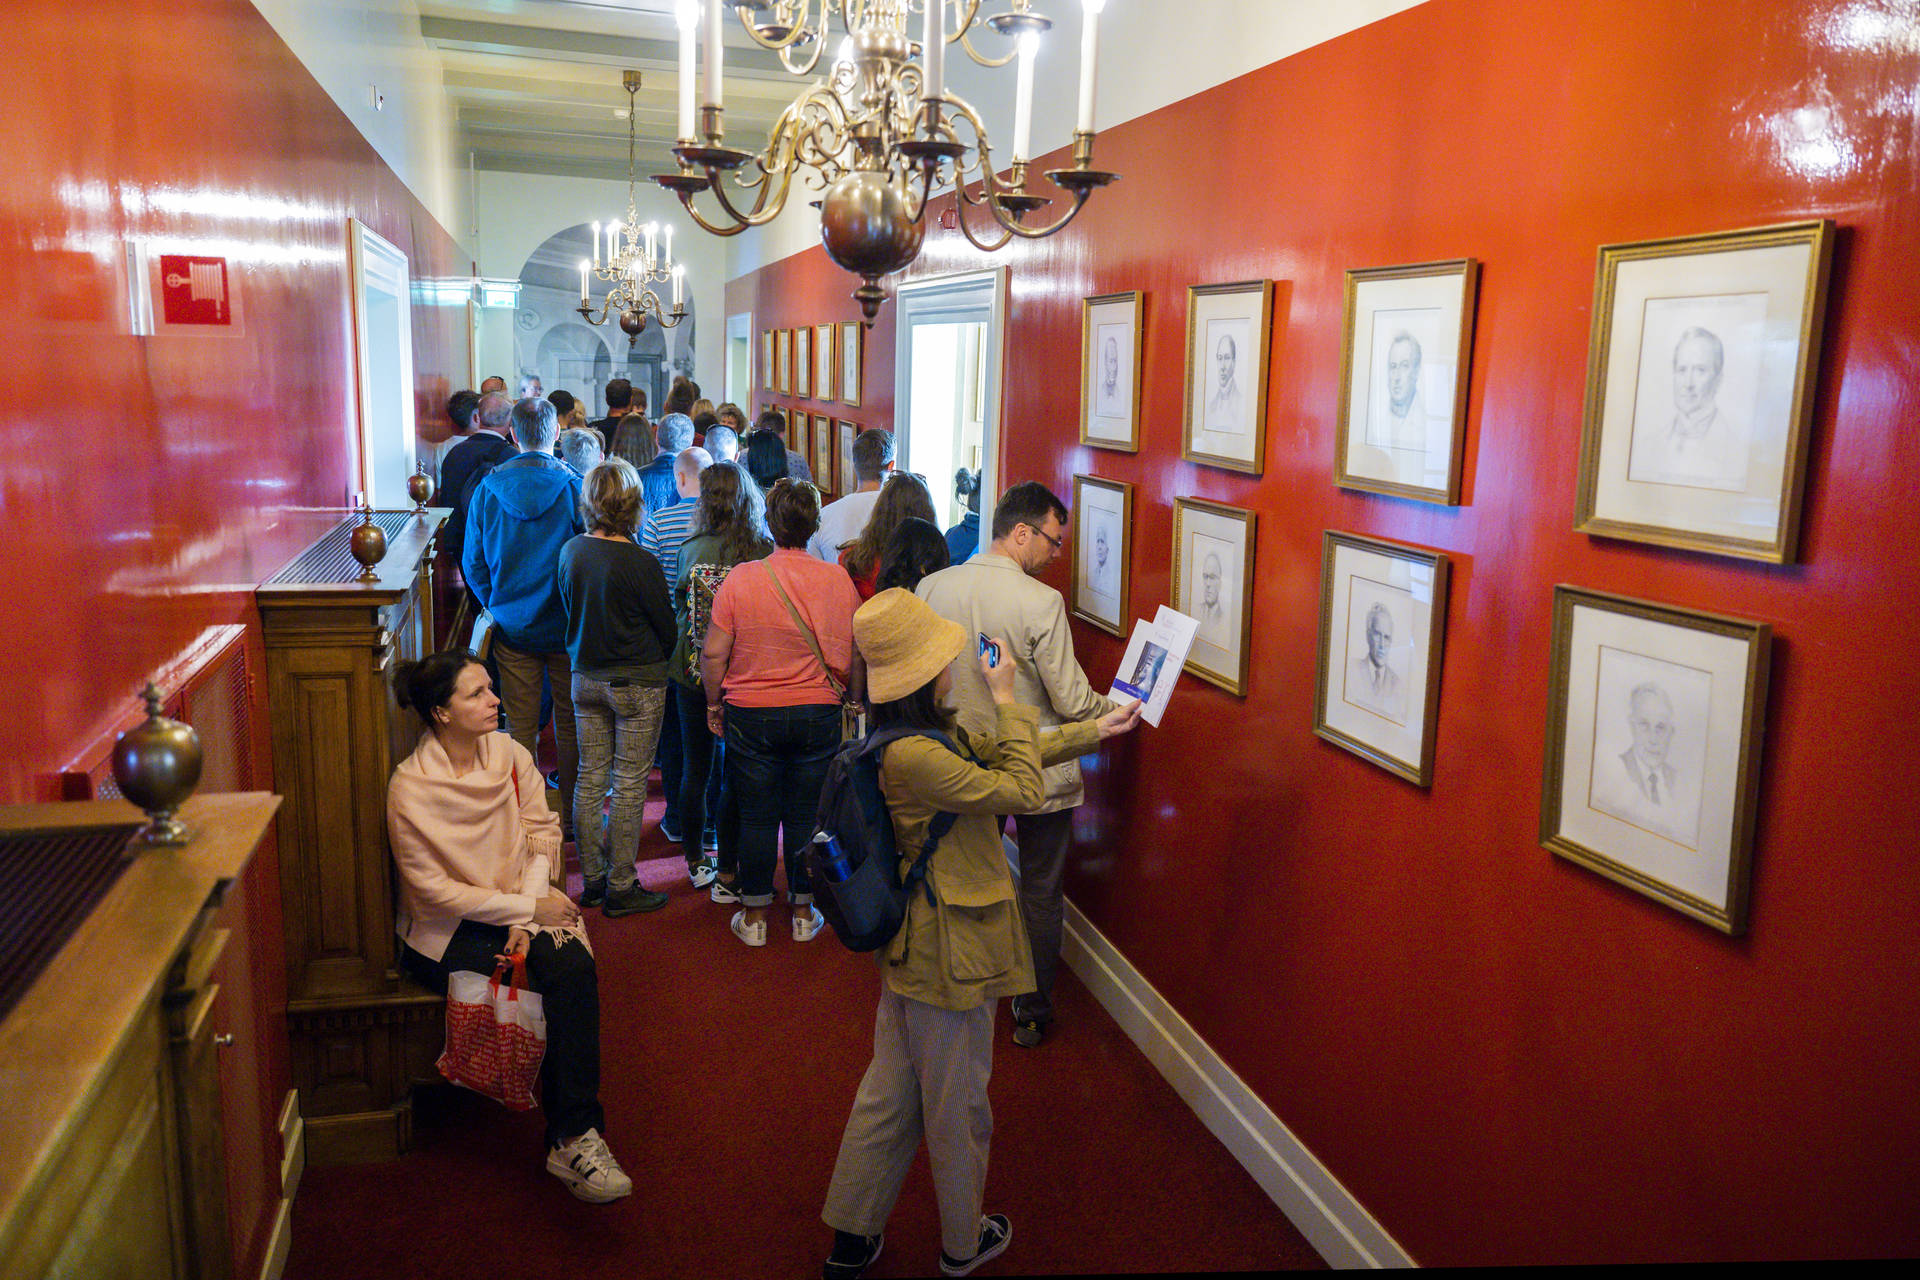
<point>1111,335</point>
<point>822,457</point>
<point>803,362</point>
<point>1694,431</point>
<point>853,339</point>
<point>1213,545</point>
<point>1655,716</point>
<point>1225,422</point>
<point>782,361</point>
<point>766,359</point>
<point>1102,521</point>
<point>844,433</point>
<point>1383,621</point>
<point>798,433</point>
<point>825,362</point>
<point>1403,401</point>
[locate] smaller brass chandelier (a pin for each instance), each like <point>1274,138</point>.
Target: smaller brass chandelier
<point>634,260</point>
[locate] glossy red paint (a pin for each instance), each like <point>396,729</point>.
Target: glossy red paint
<point>149,483</point>
<point>1504,1057</point>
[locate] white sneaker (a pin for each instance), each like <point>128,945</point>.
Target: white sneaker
<point>703,875</point>
<point>589,1169</point>
<point>754,935</point>
<point>805,927</point>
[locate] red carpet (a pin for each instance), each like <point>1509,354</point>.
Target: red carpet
<point>727,1073</point>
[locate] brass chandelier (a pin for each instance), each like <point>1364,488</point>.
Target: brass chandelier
<point>634,260</point>
<point>880,131</point>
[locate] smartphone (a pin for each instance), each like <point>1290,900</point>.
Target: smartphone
<point>991,649</point>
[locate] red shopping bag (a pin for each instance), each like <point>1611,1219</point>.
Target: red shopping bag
<point>495,1036</point>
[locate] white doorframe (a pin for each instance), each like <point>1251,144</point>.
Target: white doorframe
<point>740,326</point>
<point>383,364</point>
<point>969,297</point>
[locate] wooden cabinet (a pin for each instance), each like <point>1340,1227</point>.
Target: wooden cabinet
<point>359,1031</point>
<point>111,1138</point>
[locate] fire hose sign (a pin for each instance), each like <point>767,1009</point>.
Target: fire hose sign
<point>193,290</point>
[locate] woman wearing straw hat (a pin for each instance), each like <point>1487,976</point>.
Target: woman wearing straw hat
<point>955,956</point>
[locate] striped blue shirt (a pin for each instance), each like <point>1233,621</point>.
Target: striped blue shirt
<point>665,530</point>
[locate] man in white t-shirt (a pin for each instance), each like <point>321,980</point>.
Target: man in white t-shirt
<point>842,521</point>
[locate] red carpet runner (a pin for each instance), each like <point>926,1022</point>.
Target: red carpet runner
<point>727,1074</point>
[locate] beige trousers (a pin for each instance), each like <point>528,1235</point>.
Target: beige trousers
<point>928,1078</point>
<point>520,692</point>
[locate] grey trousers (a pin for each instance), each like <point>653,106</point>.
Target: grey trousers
<point>928,1078</point>
<point>619,724</point>
<point>1044,839</point>
<point>520,692</point>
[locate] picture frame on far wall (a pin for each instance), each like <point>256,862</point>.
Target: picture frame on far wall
<point>1700,386</point>
<point>803,361</point>
<point>1102,552</point>
<point>798,436</point>
<point>843,455</point>
<point>853,337</point>
<point>1110,337</point>
<point>1228,330</point>
<point>1213,546</point>
<point>1655,716</point>
<point>825,429</point>
<point>766,359</point>
<point>782,360</point>
<point>1383,611</point>
<point>822,425</point>
<point>1403,379</point>
<point>825,362</point>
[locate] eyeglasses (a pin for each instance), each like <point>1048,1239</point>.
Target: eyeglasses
<point>1058,543</point>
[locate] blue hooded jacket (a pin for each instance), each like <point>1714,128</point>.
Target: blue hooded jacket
<point>519,517</point>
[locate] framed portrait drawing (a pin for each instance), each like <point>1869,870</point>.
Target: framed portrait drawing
<point>824,363</point>
<point>1700,388</point>
<point>843,454</point>
<point>1102,542</point>
<point>782,360</point>
<point>1213,584</point>
<point>766,358</point>
<point>1383,611</point>
<point>821,459</point>
<point>1228,327</point>
<point>852,339</point>
<point>821,429</point>
<point>1110,371</point>
<point>799,438</point>
<point>1654,723</point>
<point>803,361</point>
<point>1403,379</point>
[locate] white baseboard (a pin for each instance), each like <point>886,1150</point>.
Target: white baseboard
<point>1334,1223</point>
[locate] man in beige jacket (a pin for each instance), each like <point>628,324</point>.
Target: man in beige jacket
<point>997,594</point>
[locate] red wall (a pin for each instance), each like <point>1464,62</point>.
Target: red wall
<point>1506,1058</point>
<point>148,483</point>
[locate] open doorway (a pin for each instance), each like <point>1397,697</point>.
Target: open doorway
<point>739,381</point>
<point>947,359</point>
<point>383,367</point>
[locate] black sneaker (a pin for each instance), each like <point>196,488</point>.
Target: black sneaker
<point>669,831</point>
<point>593,893</point>
<point>996,1233</point>
<point>633,900</point>
<point>1029,1032</point>
<point>851,1256</point>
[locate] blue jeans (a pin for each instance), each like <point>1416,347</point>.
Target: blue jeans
<point>776,763</point>
<point>703,801</point>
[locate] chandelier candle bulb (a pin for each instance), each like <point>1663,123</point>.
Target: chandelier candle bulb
<point>689,16</point>
<point>666,252</point>
<point>650,229</point>
<point>934,37</point>
<point>679,285</point>
<point>583,274</point>
<point>1023,97</point>
<point>596,247</point>
<point>1089,25</point>
<point>712,95</point>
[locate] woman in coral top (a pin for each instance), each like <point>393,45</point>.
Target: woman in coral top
<point>473,840</point>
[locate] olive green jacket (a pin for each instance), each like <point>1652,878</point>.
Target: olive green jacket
<point>969,944</point>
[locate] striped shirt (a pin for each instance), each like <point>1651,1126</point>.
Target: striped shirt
<point>665,530</point>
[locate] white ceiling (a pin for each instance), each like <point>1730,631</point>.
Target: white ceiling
<point>535,84</point>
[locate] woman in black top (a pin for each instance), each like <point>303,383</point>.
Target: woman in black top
<point>620,632</point>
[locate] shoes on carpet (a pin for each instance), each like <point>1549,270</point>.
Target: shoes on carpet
<point>806,926</point>
<point>589,1169</point>
<point>996,1233</point>
<point>593,893</point>
<point>703,872</point>
<point>669,831</point>
<point>634,899</point>
<point>1029,1032</point>
<point>754,935</point>
<point>851,1256</point>
<point>721,891</point>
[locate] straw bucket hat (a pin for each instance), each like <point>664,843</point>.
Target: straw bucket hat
<point>904,642</point>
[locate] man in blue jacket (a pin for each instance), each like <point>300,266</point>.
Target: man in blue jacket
<point>518,518</point>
